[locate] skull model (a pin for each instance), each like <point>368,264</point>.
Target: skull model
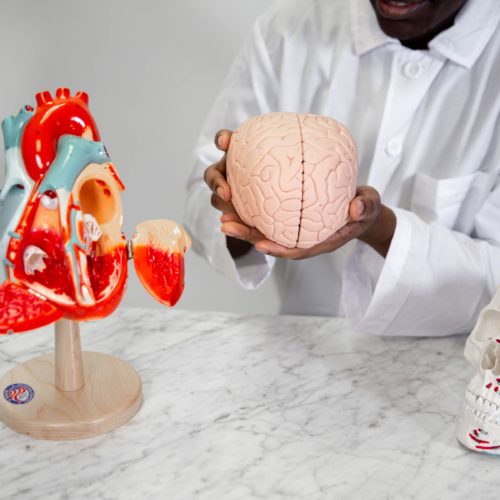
<point>62,250</point>
<point>479,426</point>
<point>292,176</point>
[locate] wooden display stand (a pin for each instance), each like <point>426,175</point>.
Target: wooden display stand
<point>74,395</point>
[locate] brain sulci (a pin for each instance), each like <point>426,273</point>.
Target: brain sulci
<point>292,176</point>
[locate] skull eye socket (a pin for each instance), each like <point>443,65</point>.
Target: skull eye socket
<point>96,199</point>
<point>491,358</point>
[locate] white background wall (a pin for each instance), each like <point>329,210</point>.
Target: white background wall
<point>152,69</point>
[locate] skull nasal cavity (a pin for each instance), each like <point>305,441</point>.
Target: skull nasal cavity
<point>96,198</point>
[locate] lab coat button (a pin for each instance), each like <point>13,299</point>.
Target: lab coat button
<point>394,147</point>
<point>412,69</point>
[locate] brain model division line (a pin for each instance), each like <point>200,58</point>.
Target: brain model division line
<point>292,176</point>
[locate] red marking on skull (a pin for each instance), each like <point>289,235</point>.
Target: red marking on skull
<point>477,440</point>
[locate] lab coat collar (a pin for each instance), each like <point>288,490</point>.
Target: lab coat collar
<point>366,32</point>
<point>463,43</point>
<point>474,26</point>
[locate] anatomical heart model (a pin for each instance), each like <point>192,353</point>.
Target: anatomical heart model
<point>64,259</point>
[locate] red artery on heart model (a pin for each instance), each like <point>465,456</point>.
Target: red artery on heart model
<point>62,250</point>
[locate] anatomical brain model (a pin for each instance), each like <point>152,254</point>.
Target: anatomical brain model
<point>292,176</point>
<point>62,251</point>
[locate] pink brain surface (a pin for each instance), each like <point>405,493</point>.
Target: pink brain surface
<point>292,176</point>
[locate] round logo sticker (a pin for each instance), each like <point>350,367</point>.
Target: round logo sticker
<point>19,394</point>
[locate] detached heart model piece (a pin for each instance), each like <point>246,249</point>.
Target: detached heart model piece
<point>64,258</point>
<point>292,176</point>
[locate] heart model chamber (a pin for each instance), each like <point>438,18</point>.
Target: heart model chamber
<point>62,250</point>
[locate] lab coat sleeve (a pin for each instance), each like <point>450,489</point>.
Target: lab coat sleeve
<point>434,280</point>
<point>250,89</point>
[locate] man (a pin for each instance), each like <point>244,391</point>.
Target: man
<point>415,83</point>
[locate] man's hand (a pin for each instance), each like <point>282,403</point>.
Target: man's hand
<point>369,220</point>
<point>215,177</point>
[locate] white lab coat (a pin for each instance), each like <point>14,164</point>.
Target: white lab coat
<point>428,134</point>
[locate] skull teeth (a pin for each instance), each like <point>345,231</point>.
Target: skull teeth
<point>483,405</point>
<point>33,259</point>
<point>482,416</point>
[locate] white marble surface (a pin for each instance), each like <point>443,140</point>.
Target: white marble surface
<point>260,407</point>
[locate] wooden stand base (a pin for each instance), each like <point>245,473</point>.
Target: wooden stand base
<point>110,396</point>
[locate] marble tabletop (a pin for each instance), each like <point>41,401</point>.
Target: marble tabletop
<point>260,407</point>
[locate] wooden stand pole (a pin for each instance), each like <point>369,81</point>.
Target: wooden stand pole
<point>69,360</point>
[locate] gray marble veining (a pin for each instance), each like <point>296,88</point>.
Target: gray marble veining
<point>260,407</point>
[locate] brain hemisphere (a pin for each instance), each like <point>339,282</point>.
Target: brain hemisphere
<point>265,174</point>
<point>292,176</point>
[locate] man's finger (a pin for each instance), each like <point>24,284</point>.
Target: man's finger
<point>230,217</point>
<point>222,205</point>
<point>346,233</point>
<point>216,181</point>
<point>242,232</point>
<point>335,241</point>
<point>222,139</point>
<point>366,204</point>
<point>277,250</point>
